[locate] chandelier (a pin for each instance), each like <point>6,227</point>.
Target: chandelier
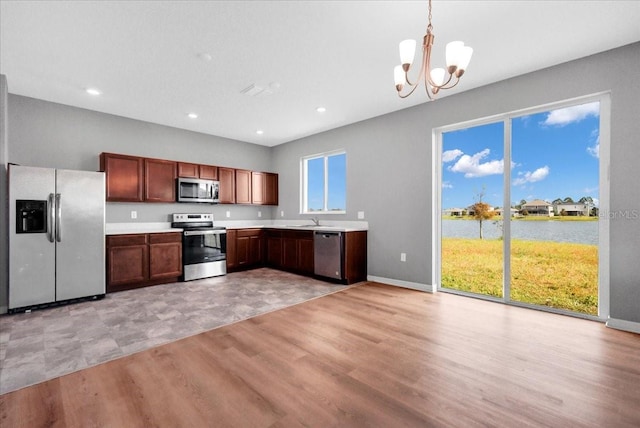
<point>457,56</point>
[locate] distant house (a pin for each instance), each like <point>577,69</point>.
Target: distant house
<point>514,212</point>
<point>456,212</point>
<point>537,207</point>
<point>573,209</point>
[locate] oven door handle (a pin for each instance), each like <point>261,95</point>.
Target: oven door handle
<point>204,232</point>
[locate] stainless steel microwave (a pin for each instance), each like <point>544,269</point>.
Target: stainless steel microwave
<point>198,190</point>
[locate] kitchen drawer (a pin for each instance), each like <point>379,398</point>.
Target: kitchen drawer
<point>126,240</point>
<point>159,238</point>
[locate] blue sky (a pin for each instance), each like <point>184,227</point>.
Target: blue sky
<point>555,154</point>
<point>337,167</point>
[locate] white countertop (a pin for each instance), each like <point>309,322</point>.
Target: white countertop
<point>131,228</point>
<point>325,226</point>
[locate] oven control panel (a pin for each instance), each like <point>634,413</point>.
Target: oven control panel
<point>185,218</point>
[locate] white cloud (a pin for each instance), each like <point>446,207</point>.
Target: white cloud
<point>471,166</point>
<point>531,177</point>
<point>447,185</point>
<point>451,155</point>
<point>565,116</point>
<point>595,149</point>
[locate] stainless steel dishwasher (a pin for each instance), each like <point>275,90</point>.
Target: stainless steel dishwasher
<point>327,254</point>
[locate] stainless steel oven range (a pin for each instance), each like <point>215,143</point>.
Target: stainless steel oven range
<point>204,247</point>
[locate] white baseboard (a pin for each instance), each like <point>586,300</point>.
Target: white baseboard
<point>404,284</point>
<point>633,327</point>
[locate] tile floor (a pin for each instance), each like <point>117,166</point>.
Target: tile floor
<point>48,343</point>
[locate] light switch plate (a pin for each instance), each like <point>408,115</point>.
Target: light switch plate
<point>228,214</point>
<point>403,257</point>
<point>360,215</point>
<point>134,214</point>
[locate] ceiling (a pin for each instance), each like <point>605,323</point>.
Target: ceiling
<point>157,61</point>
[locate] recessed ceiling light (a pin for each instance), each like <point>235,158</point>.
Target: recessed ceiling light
<point>259,132</point>
<point>93,91</point>
<point>205,56</point>
<point>321,109</point>
<point>193,115</point>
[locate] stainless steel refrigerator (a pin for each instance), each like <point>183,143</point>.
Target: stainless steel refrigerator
<point>56,236</point>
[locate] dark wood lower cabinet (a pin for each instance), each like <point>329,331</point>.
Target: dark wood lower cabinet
<point>297,251</point>
<point>355,257</point>
<point>245,249</point>
<point>139,260</point>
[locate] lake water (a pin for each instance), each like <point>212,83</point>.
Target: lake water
<point>581,232</point>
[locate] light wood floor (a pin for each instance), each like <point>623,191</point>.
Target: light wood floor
<point>372,355</point>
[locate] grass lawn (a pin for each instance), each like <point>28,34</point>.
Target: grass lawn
<point>554,274</point>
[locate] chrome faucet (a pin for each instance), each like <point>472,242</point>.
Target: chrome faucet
<point>315,220</point>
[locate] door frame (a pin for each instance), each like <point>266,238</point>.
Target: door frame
<point>604,98</point>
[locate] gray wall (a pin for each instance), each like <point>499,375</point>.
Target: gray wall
<point>389,161</point>
<point>53,135</point>
<point>4,227</point>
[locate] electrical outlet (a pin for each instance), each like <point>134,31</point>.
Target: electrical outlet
<point>259,214</point>
<point>281,213</point>
<point>360,215</point>
<point>228,214</point>
<point>134,214</point>
<point>403,257</point>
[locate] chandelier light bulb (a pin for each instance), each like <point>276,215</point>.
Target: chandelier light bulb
<point>453,53</point>
<point>437,76</point>
<point>407,52</point>
<point>398,75</point>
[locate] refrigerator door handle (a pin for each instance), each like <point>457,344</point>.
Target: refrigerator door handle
<point>58,218</point>
<point>51,219</point>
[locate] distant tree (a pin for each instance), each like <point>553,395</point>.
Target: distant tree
<point>482,211</point>
<point>568,200</point>
<point>563,213</point>
<point>557,201</point>
<point>524,212</point>
<point>586,199</point>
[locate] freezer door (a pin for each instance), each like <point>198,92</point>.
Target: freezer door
<point>31,255</point>
<point>80,241</point>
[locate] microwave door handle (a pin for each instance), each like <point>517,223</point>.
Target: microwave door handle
<point>58,218</point>
<point>51,213</point>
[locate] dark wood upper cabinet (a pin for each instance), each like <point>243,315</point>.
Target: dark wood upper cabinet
<point>264,188</point>
<point>227,177</point>
<point>159,180</point>
<point>139,179</point>
<point>270,188</point>
<point>124,177</point>
<point>188,170</point>
<point>208,172</point>
<point>243,186</point>
<point>193,170</point>
<point>257,188</point>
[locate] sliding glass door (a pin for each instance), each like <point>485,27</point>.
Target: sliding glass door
<point>529,234</point>
<point>472,186</point>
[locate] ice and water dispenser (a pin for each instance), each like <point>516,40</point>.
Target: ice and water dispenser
<point>31,216</point>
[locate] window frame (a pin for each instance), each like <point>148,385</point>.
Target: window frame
<point>304,182</point>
